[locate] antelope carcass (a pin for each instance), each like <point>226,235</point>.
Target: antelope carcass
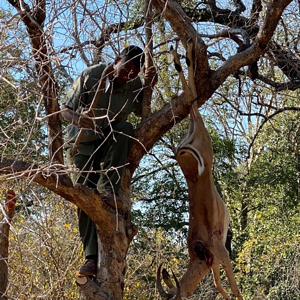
<point>208,214</point>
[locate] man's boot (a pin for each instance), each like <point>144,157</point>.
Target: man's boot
<point>88,268</point>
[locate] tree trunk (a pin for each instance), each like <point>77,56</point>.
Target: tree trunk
<point>112,257</point>
<point>8,213</point>
<point>113,242</point>
<point>4,232</point>
<point>115,229</point>
<point>34,22</point>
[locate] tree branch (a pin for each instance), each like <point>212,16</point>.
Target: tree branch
<point>55,179</point>
<point>257,49</point>
<point>91,288</point>
<point>33,21</point>
<point>146,110</point>
<point>291,85</point>
<point>278,111</point>
<point>183,27</point>
<point>230,19</point>
<point>232,34</point>
<point>152,128</point>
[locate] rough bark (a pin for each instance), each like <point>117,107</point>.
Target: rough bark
<point>148,59</point>
<point>207,80</point>
<point>7,215</point>
<point>116,229</point>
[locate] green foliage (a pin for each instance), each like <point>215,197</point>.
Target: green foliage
<point>21,135</point>
<point>259,182</point>
<point>159,188</point>
<point>262,196</point>
<point>45,249</point>
<point>269,258</point>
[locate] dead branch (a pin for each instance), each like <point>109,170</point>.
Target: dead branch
<point>34,21</point>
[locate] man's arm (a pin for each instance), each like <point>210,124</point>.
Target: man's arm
<point>83,120</point>
<point>76,97</point>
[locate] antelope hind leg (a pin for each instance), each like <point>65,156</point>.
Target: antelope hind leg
<point>230,275</point>
<point>217,281</point>
<point>223,257</point>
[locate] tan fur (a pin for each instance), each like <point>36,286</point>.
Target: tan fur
<point>209,217</point>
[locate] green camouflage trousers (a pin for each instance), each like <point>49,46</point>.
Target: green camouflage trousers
<point>111,152</point>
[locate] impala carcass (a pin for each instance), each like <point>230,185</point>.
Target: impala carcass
<point>208,214</point>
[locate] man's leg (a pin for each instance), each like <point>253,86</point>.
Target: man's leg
<point>87,228</point>
<point>117,151</point>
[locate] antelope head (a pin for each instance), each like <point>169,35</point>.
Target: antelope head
<point>209,216</point>
<point>195,152</point>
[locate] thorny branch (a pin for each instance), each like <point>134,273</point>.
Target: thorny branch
<point>34,22</point>
<point>266,117</point>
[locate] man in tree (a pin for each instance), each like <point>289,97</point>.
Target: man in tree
<point>107,135</point>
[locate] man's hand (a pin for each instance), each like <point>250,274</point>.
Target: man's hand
<point>86,119</point>
<point>151,75</point>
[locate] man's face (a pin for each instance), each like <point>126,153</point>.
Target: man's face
<point>125,71</point>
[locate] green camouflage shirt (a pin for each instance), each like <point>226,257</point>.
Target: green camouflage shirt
<point>114,105</point>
